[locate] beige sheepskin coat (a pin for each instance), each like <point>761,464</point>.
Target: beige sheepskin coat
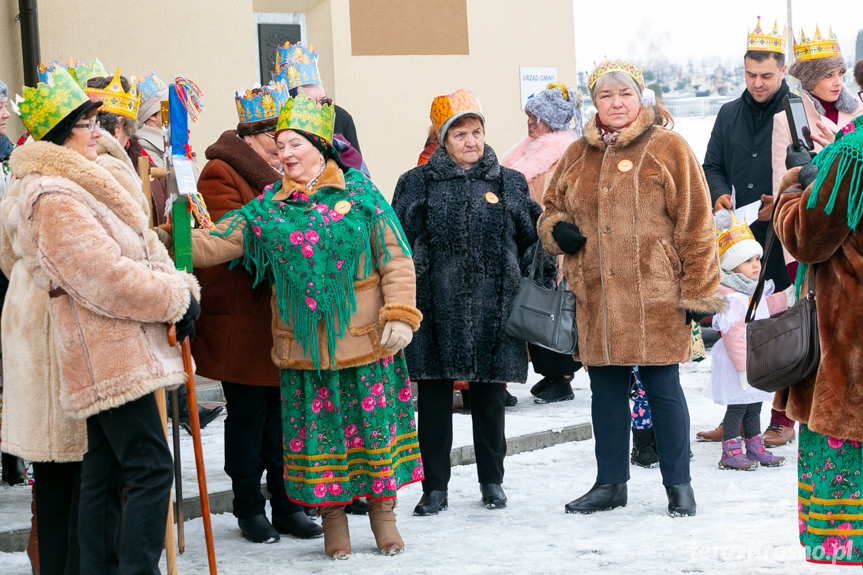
<point>82,236</point>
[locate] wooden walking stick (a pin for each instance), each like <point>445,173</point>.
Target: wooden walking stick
<point>181,182</point>
<point>170,548</point>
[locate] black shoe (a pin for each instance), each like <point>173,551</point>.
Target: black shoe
<point>510,399</point>
<point>258,530</point>
<point>14,471</point>
<point>358,506</point>
<point>431,502</point>
<point>493,496</point>
<point>601,497</point>
<point>644,448</point>
<point>539,386</point>
<point>681,500</point>
<point>311,512</point>
<point>205,416</point>
<point>297,524</point>
<point>559,389</point>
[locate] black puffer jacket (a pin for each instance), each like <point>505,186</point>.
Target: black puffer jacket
<point>469,231</point>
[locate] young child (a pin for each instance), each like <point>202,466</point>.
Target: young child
<point>740,262</point>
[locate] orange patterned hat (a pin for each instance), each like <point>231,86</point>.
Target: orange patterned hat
<point>446,109</point>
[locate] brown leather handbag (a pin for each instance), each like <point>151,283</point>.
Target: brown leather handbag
<point>783,349</point>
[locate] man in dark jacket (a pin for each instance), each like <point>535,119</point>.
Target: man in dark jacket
<point>739,156</point>
<point>738,153</point>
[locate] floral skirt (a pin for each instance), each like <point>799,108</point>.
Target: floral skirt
<point>828,500</point>
<point>349,433</point>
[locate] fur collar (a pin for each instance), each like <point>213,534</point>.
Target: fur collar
<point>234,151</point>
<point>441,167</point>
<point>47,159</point>
<point>645,120</point>
<point>108,144</point>
<point>535,156</point>
<point>847,102</point>
<point>331,177</point>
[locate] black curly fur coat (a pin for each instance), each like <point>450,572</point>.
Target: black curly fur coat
<point>468,254</point>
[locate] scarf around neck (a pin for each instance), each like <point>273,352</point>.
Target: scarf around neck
<point>309,247</point>
<point>738,282</point>
<point>609,135</point>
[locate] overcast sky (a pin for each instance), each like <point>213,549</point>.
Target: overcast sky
<point>680,30</point>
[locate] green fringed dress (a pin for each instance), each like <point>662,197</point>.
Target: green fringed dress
<point>346,433</point>
<point>830,469</point>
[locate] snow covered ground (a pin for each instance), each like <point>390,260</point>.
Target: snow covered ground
<point>746,521</point>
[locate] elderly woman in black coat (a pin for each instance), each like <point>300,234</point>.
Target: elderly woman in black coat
<point>469,222</point>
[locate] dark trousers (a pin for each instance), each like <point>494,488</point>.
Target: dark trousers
<point>126,447</point>
<point>609,407</point>
<point>550,363</point>
<point>434,405</point>
<point>57,486</point>
<point>253,444</point>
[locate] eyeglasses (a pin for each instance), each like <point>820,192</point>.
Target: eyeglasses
<point>270,135</point>
<point>860,95</point>
<point>92,124</point>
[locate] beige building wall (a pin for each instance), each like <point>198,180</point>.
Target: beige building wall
<point>209,42</point>
<point>213,43</point>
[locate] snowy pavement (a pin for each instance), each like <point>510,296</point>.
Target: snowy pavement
<point>746,521</point>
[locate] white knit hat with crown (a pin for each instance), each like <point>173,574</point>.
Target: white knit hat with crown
<point>736,242</point>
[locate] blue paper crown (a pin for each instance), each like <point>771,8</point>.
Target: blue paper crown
<point>261,103</point>
<point>296,65</point>
<point>149,86</point>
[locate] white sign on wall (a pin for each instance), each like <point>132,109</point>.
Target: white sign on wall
<point>534,79</point>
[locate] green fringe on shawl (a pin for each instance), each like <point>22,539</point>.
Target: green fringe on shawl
<point>847,153</point>
<point>341,300</point>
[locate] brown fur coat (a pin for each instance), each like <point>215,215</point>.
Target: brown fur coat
<point>651,250</point>
<point>829,403</point>
<point>82,235</point>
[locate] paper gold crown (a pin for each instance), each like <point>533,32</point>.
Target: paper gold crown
<point>43,107</point>
<point>758,40</point>
<point>115,99</point>
<point>296,65</point>
<point>261,103</point>
<point>607,66</point>
<point>79,70</point>
<point>737,232</point>
<point>817,46</point>
<point>306,115</point>
<point>148,86</point>
<point>451,106</point>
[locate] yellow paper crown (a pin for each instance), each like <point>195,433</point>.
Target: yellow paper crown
<point>43,107</point>
<point>115,99</point>
<point>607,66</point>
<point>306,115</point>
<point>448,107</point>
<point>817,47</point>
<point>758,40</point>
<point>737,232</point>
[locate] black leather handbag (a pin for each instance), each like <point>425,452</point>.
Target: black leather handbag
<point>544,316</point>
<point>783,349</point>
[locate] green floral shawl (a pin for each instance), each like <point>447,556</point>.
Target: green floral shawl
<point>310,248</point>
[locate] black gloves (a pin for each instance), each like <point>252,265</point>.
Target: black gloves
<point>796,156</point>
<point>186,325</point>
<point>695,316</point>
<point>807,175</point>
<point>568,237</point>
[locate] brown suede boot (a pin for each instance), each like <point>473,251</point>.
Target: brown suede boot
<point>712,435</point>
<point>337,538</point>
<point>383,521</point>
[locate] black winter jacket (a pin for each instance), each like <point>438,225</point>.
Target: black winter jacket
<point>738,153</point>
<point>469,231</point>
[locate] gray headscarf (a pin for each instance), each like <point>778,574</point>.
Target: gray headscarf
<point>5,144</point>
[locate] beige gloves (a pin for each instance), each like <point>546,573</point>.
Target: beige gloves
<point>396,335</point>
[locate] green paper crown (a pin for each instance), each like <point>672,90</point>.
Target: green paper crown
<point>306,115</point>
<point>43,107</point>
<point>82,71</point>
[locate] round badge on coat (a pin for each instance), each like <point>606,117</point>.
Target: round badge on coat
<point>491,198</point>
<point>342,207</point>
<point>624,165</point>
